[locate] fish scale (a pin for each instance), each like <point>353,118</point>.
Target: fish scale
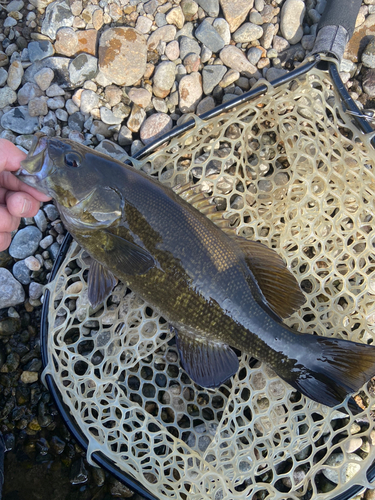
<point>216,290</point>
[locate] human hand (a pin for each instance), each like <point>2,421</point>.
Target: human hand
<point>16,198</point>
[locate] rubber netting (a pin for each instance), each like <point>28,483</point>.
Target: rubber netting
<point>289,169</point>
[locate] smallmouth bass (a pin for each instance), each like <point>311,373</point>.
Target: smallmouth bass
<point>215,289</point>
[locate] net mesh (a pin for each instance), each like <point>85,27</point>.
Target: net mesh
<point>290,170</point>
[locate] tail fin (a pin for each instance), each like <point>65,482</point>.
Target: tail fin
<point>331,369</point>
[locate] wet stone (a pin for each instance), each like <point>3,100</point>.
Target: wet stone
<point>121,48</point>
<point>39,50</point>
<point>119,490</point>
<point>57,446</point>
<point>83,67</point>
<point>58,14</point>
<point>11,291</point>
<point>209,36</point>
<point>155,126</point>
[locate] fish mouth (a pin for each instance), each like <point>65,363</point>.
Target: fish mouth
<point>36,166</point>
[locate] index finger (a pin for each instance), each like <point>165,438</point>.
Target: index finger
<point>10,157</point>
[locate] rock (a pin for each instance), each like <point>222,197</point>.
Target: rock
<point>18,120</point>
<point>188,46</point>
<point>89,101</point>
<point>125,137</point>
<point>119,49</point>
<point>234,58</point>
<point>41,221</point>
<point>268,34</point>
<point>58,14</point>
<point>247,33</point>
<point>35,290</point>
<point>66,42</point>
<point>190,92</point>
<point>14,5</point>
<point>209,36</point>
<point>273,73</point>
<point>8,326</point>
<point>222,27</point>
<point>368,56</point>
<point>29,377</point>
<point>210,6</point>
<point>165,34</point>
<point>136,118</point>
<point>32,262</point>
<point>164,77</point>
<point>368,82</point>
<point>4,60</point>
<point>205,105</point>
<point>143,24</point>
<point>38,106</point>
<point>155,126</point>
<point>108,117</point>
<point>141,97</point>
<point>254,54</point>
<point>83,67</point>
<point>292,13</point>
<point>59,65</point>
<point>230,77</point>
<point>192,63</point>
<point>9,22</point>
<point>51,212</point>
<point>11,291</point>
<point>39,50</point>
<point>113,95</point>
<point>176,16</point>
<point>27,92</point>
<point>56,102</point>
<point>255,18</point>
<point>87,41</point>
<point>25,242</point>
<point>15,74</point>
<point>235,12</point>
<point>361,37</point>
<point>172,50</point>
<point>76,121</point>
<point>280,44</point>
<point>4,76</point>
<point>7,96</point>
<point>44,78</point>
<point>212,75</point>
<point>189,9</point>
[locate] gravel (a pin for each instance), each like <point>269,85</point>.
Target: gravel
<point>114,76</point>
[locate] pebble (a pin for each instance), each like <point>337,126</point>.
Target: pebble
<point>25,242</point>
<point>368,55</point>
<point>136,118</point>
<point>141,97</point>
<point>155,126</point>
<point>248,32</point>
<point>121,48</point>
<point>280,44</point>
<point>368,82</point>
<point>172,50</point>
<point>32,263</point>
<point>222,27</point>
<point>11,291</point>
<point>125,137</point>
<point>39,50</point>
<point>55,102</point>
<point>211,76</point>
<point>27,92</point>
<point>44,78</point>
<point>108,117</point>
<point>165,33</point>
<point>190,10</point>
<point>176,16</point>
<point>83,67</point>
<point>89,101</point>
<point>230,77</point>
<point>15,74</point>
<point>28,377</point>
<point>188,46</point>
<point>35,290</point>
<point>205,105</point>
<point>51,212</point>
<point>254,54</point>
<point>210,6</point>
<point>190,92</point>
<point>235,12</point>
<point>3,76</point>
<point>234,58</point>
<point>58,15</point>
<point>18,120</point>
<point>164,77</point>
<point>291,17</point>
<point>273,73</point>
<point>209,36</point>
<point>143,24</point>
<point>7,97</point>
<point>66,42</point>
<point>38,106</point>
<point>256,18</point>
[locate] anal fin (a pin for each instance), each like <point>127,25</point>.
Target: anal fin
<point>208,363</point>
<point>100,283</point>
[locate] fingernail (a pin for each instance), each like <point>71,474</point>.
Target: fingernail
<point>26,206</point>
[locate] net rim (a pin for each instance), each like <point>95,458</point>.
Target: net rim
<point>73,426</point>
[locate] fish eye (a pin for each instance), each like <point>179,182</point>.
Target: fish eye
<point>72,159</point>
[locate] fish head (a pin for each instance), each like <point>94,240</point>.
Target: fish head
<point>75,177</point>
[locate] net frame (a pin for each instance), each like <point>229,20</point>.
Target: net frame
<point>366,474</point>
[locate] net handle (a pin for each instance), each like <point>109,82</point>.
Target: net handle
<point>336,27</point>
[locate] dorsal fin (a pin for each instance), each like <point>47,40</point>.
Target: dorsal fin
<point>278,285</point>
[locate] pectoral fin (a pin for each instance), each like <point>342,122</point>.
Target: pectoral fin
<point>208,363</point>
<point>132,258</point>
<point>100,283</point>
<point>278,285</point>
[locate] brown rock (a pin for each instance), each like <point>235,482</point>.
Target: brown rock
<point>97,19</point>
<point>66,42</point>
<point>87,41</point>
<point>122,55</point>
<point>234,58</point>
<point>236,11</point>
<point>361,37</point>
<point>190,92</point>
